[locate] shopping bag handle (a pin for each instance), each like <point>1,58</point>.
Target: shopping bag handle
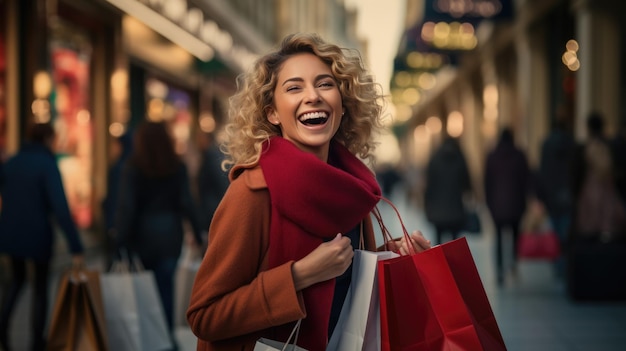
<point>387,237</point>
<point>127,262</point>
<point>296,330</point>
<point>76,275</point>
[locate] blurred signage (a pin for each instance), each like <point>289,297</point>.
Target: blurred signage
<point>186,26</point>
<point>467,10</point>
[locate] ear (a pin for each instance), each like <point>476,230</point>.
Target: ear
<point>272,117</point>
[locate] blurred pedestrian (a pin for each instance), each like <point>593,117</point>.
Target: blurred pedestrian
<point>33,195</point>
<point>447,184</point>
<point>600,213</point>
<point>212,180</point>
<point>507,186</point>
<point>388,177</point>
<point>282,239</point>
<point>154,201</point>
<point>554,183</point>
<point>120,150</point>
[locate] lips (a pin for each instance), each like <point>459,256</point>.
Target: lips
<point>314,118</point>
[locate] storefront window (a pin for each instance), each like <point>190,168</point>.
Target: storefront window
<point>70,50</point>
<point>170,104</point>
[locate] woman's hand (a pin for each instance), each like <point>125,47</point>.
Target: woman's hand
<point>327,261</point>
<point>419,242</point>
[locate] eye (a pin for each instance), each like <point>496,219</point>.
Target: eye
<point>292,88</point>
<point>327,84</point>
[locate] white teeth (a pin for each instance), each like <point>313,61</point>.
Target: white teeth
<point>313,115</point>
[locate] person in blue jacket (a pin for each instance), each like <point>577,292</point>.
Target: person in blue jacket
<point>32,194</point>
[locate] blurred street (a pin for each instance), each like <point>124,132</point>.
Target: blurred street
<point>532,309</point>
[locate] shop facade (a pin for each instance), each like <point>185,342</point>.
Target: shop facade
<point>95,71</point>
<point>549,59</point>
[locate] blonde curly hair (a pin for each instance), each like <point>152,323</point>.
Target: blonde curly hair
<point>248,126</point>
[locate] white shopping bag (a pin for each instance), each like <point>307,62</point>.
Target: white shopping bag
<point>264,344</point>
<point>155,335</point>
<point>358,327</point>
<point>134,314</point>
<point>188,266</point>
<point>121,314</point>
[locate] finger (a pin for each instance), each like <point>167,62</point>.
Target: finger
<point>420,240</point>
<point>402,250</point>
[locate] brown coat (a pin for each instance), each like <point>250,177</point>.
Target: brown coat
<point>235,298</point>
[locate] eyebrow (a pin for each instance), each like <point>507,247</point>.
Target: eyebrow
<point>318,78</point>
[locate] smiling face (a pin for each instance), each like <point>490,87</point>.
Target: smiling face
<point>307,104</point>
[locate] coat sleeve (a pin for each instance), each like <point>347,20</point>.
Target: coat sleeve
<point>234,294</point>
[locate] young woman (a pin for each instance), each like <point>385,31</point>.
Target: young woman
<point>154,200</point>
<point>282,239</point>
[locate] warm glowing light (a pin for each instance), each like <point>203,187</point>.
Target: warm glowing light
<point>433,124</point>
<point>420,60</point>
<point>421,134</point>
<point>569,57</point>
<point>454,125</point>
<point>116,129</point>
<point>415,59</point>
<point>119,84</point>
<point>42,84</point>
<point>156,89</point>
<point>207,122</point>
<point>453,35</point>
<point>403,79</point>
<point>427,81</point>
<point>572,45</point>
<point>404,112</point>
<point>411,96</point>
<point>490,95</point>
<point>428,31</point>
<point>155,110</point>
<point>574,66</point>
<point>83,117</point>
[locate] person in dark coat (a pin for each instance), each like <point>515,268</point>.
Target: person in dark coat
<point>507,185</point>
<point>600,213</point>
<point>33,194</point>
<point>554,182</point>
<point>153,203</point>
<point>121,149</point>
<point>447,181</point>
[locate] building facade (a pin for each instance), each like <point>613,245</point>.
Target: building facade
<point>543,60</point>
<point>96,68</point>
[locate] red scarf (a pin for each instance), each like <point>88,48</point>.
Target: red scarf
<point>312,201</point>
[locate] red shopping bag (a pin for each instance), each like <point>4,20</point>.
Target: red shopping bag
<point>539,245</point>
<point>435,300</point>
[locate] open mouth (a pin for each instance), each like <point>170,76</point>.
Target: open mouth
<point>314,118</point>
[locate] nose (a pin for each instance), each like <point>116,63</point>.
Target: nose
<point>312,95</point>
